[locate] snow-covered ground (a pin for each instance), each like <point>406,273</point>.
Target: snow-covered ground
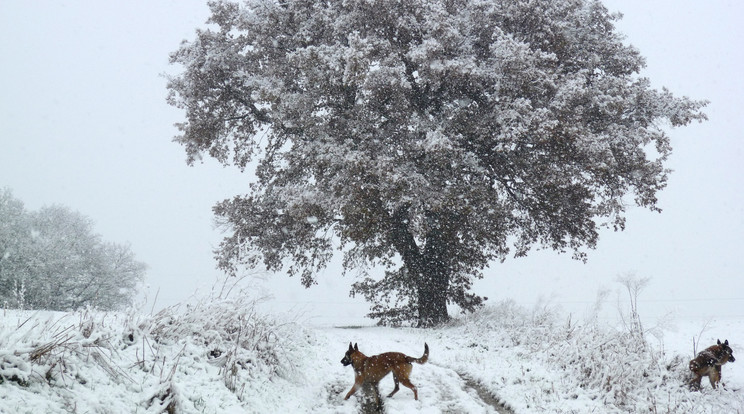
<point>223,356</point>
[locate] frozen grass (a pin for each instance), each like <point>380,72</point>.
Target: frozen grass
<point>564,366</point>
<point>220,349</point>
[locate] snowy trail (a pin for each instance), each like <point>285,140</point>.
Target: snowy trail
<point>440,389</point>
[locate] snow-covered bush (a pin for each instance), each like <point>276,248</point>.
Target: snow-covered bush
<point>48,347</point>
<point>613,369</point>
<point>230,334</point>
<point>215,353</point>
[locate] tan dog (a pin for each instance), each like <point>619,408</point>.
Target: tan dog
<point>373,369</point>
<point>708,363</point>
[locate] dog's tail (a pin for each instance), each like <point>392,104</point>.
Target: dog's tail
<point>423,358</point>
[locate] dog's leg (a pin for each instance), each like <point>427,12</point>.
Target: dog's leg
<point>401,375</point>
<point>354,388</point>
<point>695,382</point>
<point>405,381</point>
<point>715,376</point>
<point>720,377</point>
<point>397,387</point>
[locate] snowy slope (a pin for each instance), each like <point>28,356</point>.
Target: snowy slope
<point>224,357</point>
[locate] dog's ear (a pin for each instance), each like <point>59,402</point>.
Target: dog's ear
<point>719,342</point>
<point>351,348</point>
<point>356,348</point>
<point>725,342</point>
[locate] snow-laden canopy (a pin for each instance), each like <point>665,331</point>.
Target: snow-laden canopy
<point>440,134</point>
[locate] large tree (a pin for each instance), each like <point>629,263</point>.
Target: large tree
<point>429,137</point>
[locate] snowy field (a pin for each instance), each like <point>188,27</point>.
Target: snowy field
<point>222,356</point>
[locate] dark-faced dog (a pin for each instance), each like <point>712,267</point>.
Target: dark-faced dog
<point>373,369</point>
<point>708,363</point>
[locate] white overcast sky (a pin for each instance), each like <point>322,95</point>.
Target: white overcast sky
<point>84,123</point>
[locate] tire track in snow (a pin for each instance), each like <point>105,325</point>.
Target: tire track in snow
<point>485,395</point>
<point>460,394</point>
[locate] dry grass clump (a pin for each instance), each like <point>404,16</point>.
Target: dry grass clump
<point>46,349</point>
<point>154,354</point>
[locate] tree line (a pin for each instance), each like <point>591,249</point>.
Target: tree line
<point>52,259</point>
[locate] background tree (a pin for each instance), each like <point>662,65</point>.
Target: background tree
<point>16,253</point>
<point>430,137</point>
<point>51,259</point>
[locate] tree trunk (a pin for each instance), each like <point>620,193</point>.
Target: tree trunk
<point>432,297</point>
<point>434,281</point>
<point>429,270</point>
<point>436,270</point>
